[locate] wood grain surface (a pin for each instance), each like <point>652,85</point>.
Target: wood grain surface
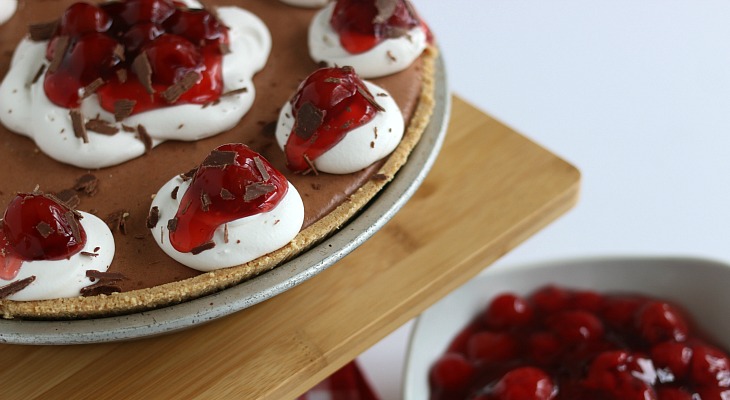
<point>489,190</point>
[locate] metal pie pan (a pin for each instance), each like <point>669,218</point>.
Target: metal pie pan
<point>284,277</point>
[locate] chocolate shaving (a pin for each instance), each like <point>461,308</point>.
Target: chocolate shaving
<point>203,247</point>
<point>105,276</point>
<point>308,120</point>
<point>145,137</point>
<point>219,159</point>
<point>73,224</point>
<point>205,202</point>
<point>256,190</point>
<point>42,31</point>
<point>69,198</point>
<point>173,194</point>
<point>123,108</point>
<point>88,184</point>
<point>59,49</point>
<point>153,217</point>
<point>369,97</point>
<point>119,52</point>
<point>189,175</point>
<point>89,254</point>
<point>225,233</point>
<point>234,92</point>
<point>122,75</point>
<point>172,224</point>
<point>77,122</point>
<point>226,195</point>
<point>117,221</point>
<point>92,87</point>
<point>262,169</point>
<point>142,68</point>
<point>309,162</point>
<point>100,126</point>
<point>173,93</point>
<point>128,129</point>
<point>379,177</point>
<point>100,288</point>
<point>44,229</point>
<point>15,286</point>
<point>390,56</point>
<point>38,74</point>
<point>333,80</point>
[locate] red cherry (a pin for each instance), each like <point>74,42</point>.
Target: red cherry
<point>659,321</point>
<point>130,12</point>
<point>37,227</point>
<point>339,98</point>
<point>171,57</point>
<point>82,18</point>
<point>670,393</point>
<point>576,326</point>
<point>543,347</point>
<point>92,56</point>
<point>228,188</point>
<point>550,299</point>
<point>673,356</point>
<point>452,372</point>
<point>360,28</point>
<point>508,310</point>
<point>622,376</point>
<point>139,35</point>
<point>490,347</point>
<point>710,367</point>
<point>526,383</point>
<point>197,26</point>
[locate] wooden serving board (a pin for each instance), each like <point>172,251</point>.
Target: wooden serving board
<point>489,190</point>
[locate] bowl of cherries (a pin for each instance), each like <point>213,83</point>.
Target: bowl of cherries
<point>608,328</point>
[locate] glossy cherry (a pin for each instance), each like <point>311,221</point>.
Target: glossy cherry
<point>37,227</point>
<point>221,192</point>
<point>361,26</point>
<point>83,18</point>
<point>658,321</point>
<point>452,372</point>
<point>525,383</point>
<point>508,310</point>
<point>337,100</point>
<point>104,42</point>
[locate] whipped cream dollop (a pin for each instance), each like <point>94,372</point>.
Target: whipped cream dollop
<point>7,9</point>
<point>361,146</point>
<point>306,3</point>
<point>236,242</point>
<point>25,108</point>
<point>390,56</point>
<point>65,278</point>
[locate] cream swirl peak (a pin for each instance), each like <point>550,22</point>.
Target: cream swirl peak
<point>338,124</point>
<point>377,38</point>
<point>233,208</point>
<point>89,135</point>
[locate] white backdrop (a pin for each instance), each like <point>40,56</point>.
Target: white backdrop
<point>635,93</point>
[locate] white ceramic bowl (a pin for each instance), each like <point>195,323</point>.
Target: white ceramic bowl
<point>702,287</point>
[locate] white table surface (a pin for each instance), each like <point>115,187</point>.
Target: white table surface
<point>635,93</point>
